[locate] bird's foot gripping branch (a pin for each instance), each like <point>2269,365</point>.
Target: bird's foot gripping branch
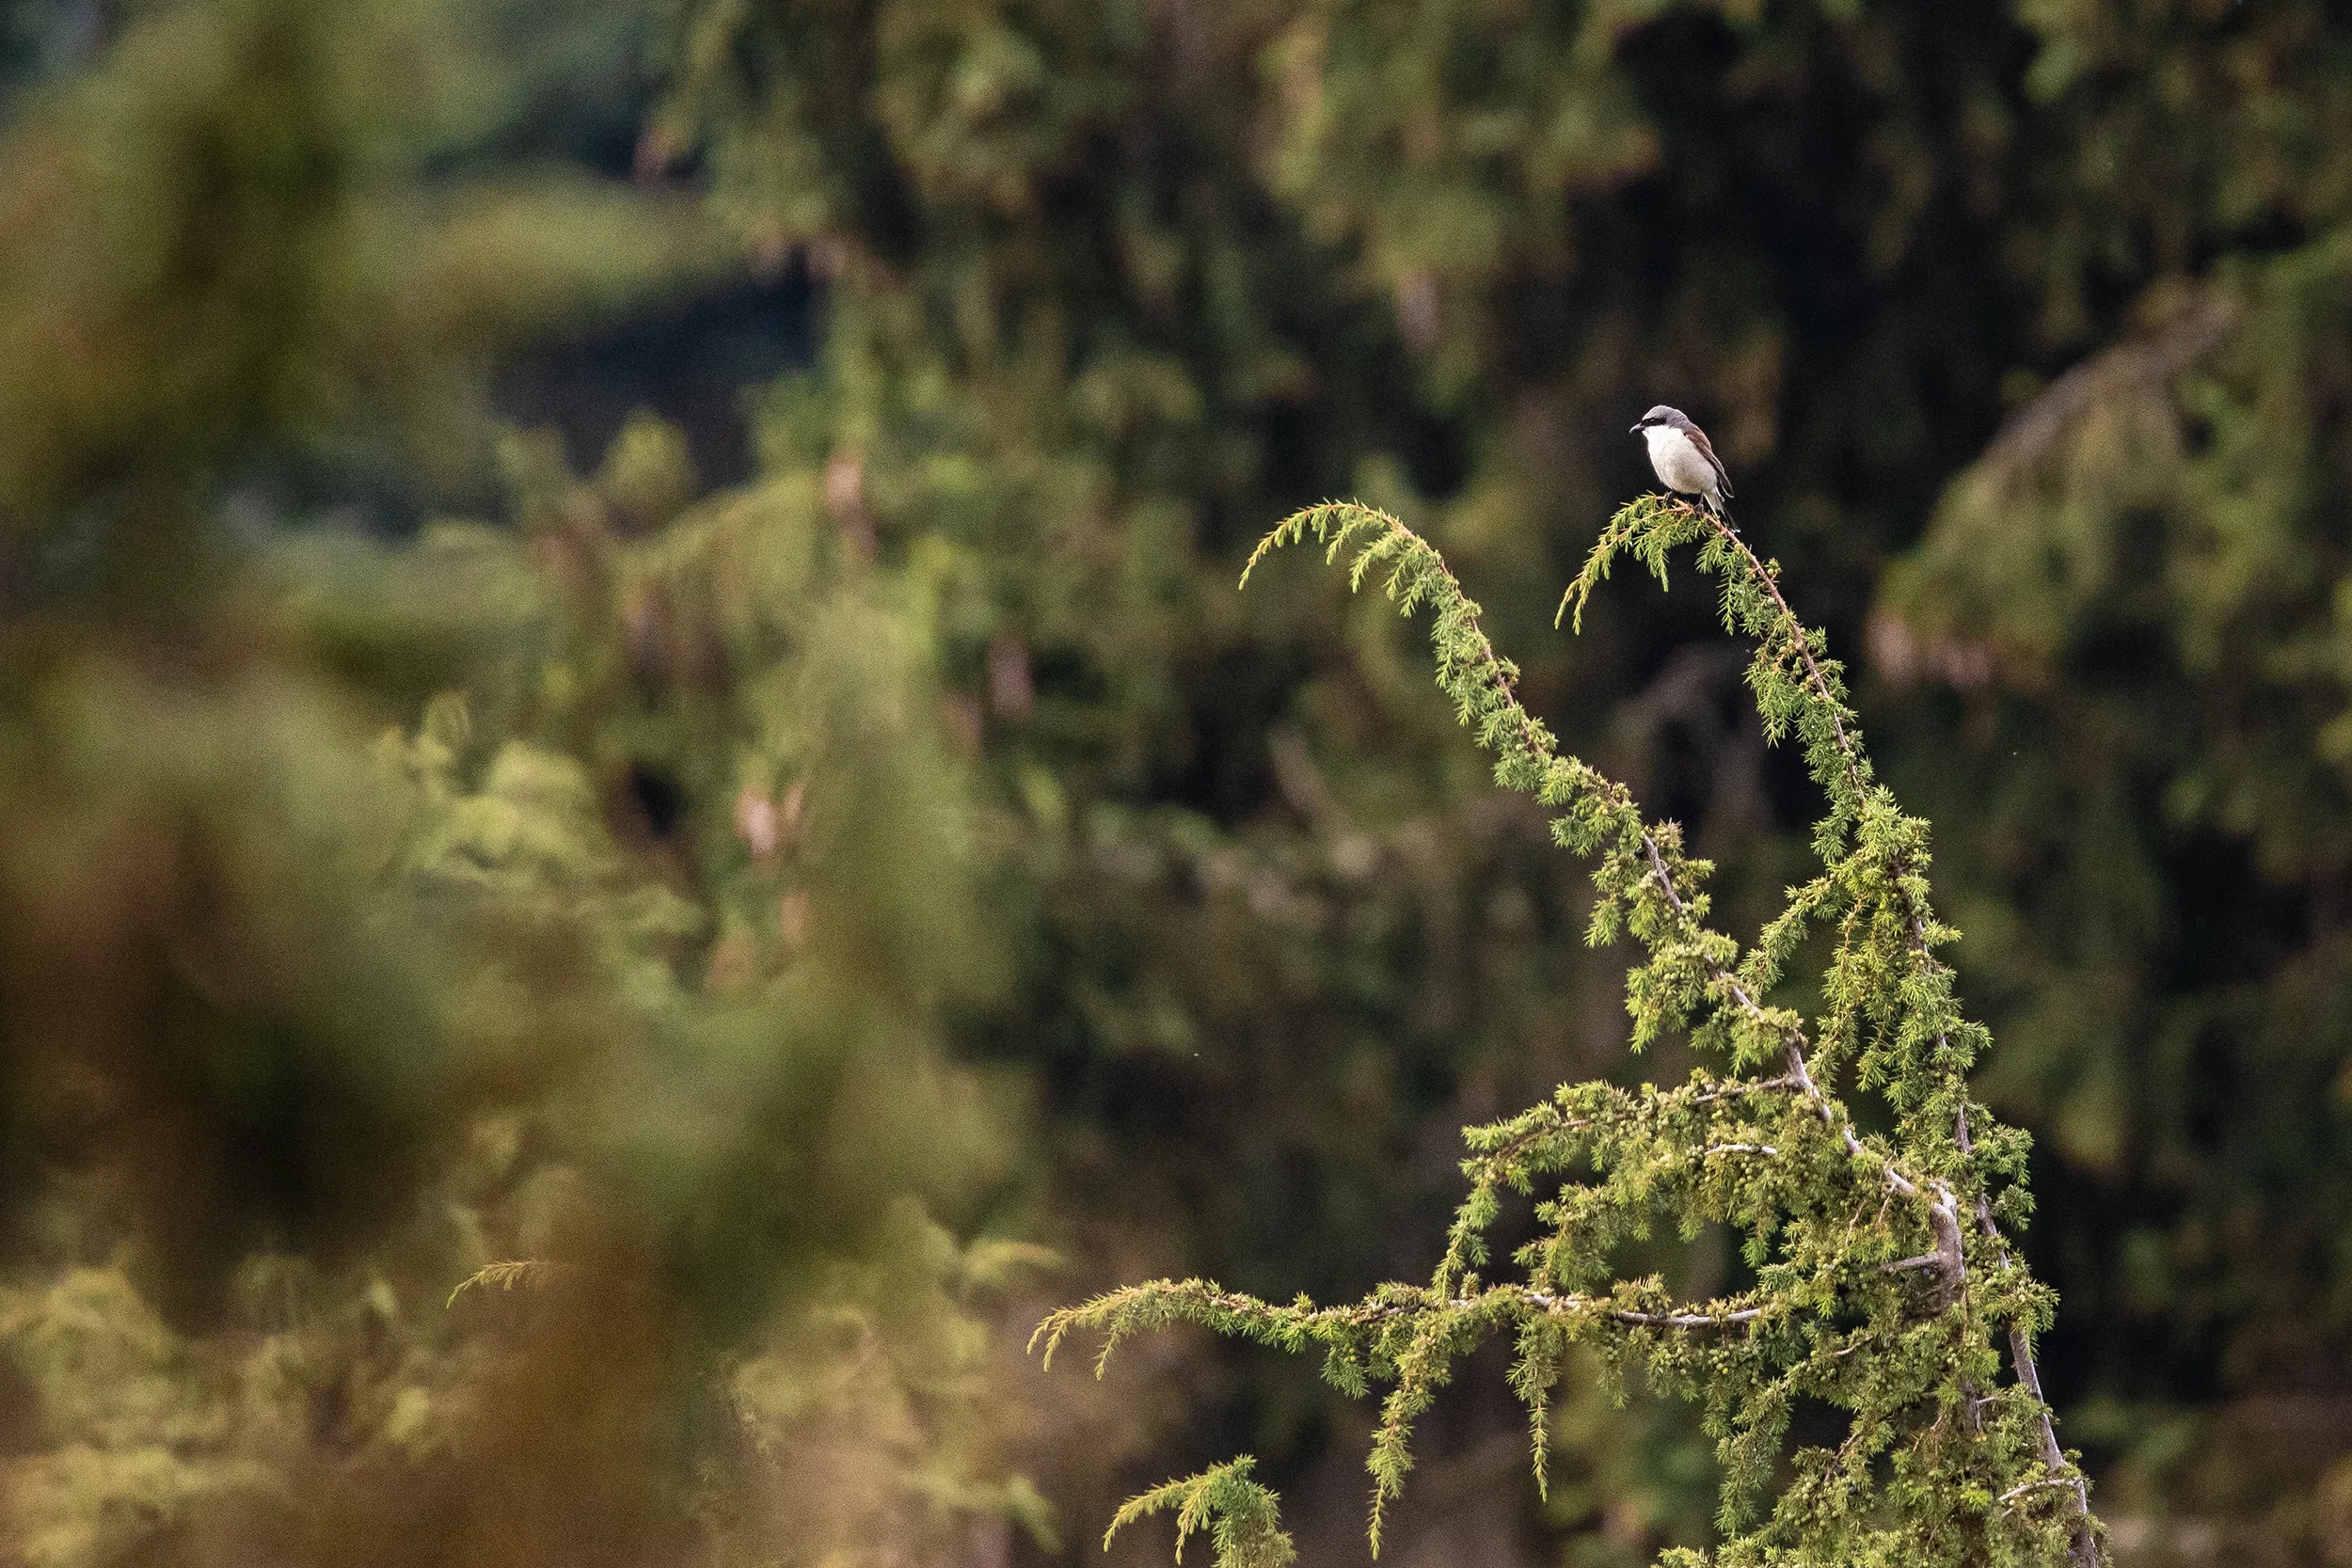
<point>1882,1285</point>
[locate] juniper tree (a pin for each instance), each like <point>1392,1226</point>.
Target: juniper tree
<point>1881,1282</point>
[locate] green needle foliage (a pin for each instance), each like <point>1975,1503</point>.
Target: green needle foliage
<point>569,911</point>
<point>1881,1287</point>
<point>1238,1514</point>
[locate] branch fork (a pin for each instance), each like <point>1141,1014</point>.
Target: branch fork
<point>1806,1206</point>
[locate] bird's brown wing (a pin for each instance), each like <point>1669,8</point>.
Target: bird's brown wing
<point>1699,439</point>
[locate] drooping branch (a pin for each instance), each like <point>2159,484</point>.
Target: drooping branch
<point>1485,688</point>
<point>1830,1315</point>
<point>1542,1140</point>
<point>1857,778</point>
<point>1845,772</point>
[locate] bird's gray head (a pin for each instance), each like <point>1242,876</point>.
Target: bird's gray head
<point>1661,415</point>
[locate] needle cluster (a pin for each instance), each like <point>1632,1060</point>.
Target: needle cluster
<point>1882,1286</point>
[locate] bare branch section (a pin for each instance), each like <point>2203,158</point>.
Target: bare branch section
<point>1846,1308</point>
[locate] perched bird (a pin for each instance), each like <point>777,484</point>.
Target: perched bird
<point>1685,463</point>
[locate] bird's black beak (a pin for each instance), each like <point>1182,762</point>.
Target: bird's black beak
<point>1635,430</point>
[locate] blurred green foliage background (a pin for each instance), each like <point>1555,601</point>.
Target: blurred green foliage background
<point>618,652</point>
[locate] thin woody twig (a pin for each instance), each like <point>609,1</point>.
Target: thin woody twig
<point>1942,1208</point>
<point>2084,1546</point>
<point>1942,1211</point>
<point>1553,1303</point>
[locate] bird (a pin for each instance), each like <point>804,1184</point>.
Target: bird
<point>1686,463</point>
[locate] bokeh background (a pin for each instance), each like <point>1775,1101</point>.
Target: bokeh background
<point>618,652</point>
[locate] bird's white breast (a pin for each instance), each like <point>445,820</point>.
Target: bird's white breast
<point>1679,461</point>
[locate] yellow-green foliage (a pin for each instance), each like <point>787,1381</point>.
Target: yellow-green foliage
<point>574,902</point>
<point>1238,1514</point>
<point>1882,1285</point>
<point>417,999</point>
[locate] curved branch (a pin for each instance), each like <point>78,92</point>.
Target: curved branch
<point>2084,1545</point>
